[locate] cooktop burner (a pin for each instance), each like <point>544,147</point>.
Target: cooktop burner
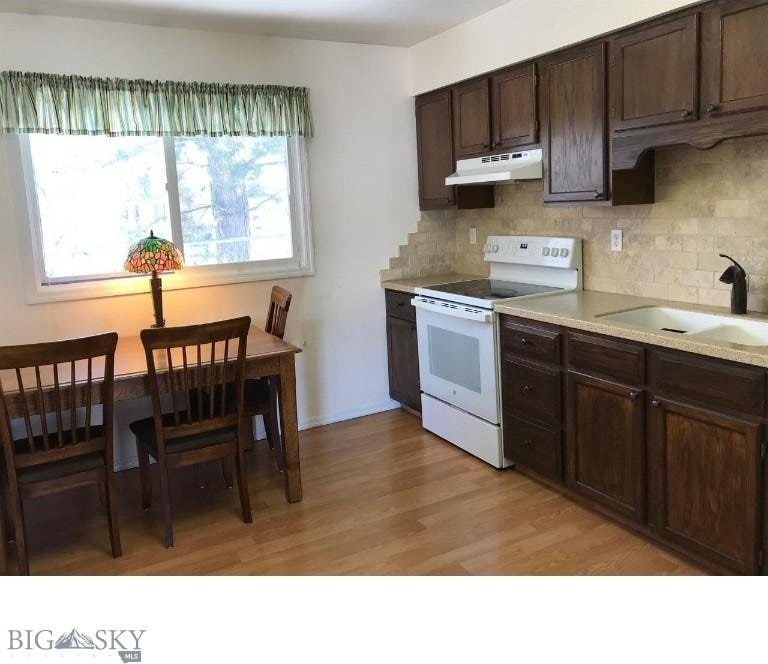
<point>492,289</point>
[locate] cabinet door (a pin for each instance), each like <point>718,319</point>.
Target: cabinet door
<point>735,57</point>
<point>403,355</point>
<point>605,448</point>
<point>574,126</point>
<point>435,149</point>
<point>655,75</point>
<point>514,112</point>
<point>471,119</point>
<point>704,476</point>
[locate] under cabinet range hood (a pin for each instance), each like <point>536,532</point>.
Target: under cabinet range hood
<point>498,168</point>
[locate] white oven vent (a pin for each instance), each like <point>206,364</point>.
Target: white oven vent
<point>498,168</point>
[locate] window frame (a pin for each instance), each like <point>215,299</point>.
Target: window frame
<point>40,288</point>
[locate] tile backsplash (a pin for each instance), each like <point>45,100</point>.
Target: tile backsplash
<point>707,202</point>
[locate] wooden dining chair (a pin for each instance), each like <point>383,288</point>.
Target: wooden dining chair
<point>261,394</point>
<point>62,446</point>
<point>194,364</point>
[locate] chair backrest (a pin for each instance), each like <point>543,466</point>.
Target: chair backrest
<point>277,315</point>
<point>195,363</point>
<point>54,387</point>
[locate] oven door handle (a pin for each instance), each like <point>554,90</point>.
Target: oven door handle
<point>452,309</point>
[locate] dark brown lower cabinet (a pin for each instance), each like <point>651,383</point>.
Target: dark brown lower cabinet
<point>669,443</point>
<point>533,446</point>
<point>606,443</point>
<point>705,483</point>
<point>403,356</point>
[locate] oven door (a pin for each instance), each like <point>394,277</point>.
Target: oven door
<point>457,356</point>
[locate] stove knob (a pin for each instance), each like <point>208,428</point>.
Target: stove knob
<point>564,253</point>
<point>555,252</point>
<point>495,248</point>
<point>545,251</point>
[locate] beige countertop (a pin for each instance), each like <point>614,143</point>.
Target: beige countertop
<point>409,285</point>
<point>582,310</point>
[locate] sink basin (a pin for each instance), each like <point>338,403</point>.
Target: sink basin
<point>745,332</point>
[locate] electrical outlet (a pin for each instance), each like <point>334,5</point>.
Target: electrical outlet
<point>473,235</point>
<point>617,240</point>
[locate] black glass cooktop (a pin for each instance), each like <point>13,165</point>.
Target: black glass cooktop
<point>492,289</point>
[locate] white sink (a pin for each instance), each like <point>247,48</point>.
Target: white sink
<point>743,331</point>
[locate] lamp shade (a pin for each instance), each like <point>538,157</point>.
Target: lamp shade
<point>153,254</point>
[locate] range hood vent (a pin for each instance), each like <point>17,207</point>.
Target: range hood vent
<point>498,168</point>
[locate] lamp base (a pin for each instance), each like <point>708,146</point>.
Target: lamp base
<point>157,300</point>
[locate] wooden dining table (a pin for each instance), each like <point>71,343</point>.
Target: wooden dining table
<point>266,356</point>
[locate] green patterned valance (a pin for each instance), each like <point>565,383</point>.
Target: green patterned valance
<point>52,104</point>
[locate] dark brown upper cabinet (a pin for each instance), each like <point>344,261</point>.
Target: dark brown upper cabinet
<point>471,119</point>
<point>655,75</point>
<point>435,149</point>
<point>735,58</point>
<point>574,137</point>
<point>514,116</point>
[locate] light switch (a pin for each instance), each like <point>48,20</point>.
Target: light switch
<point>473,235</point>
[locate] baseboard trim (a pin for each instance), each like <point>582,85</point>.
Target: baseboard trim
<point>308,423</point>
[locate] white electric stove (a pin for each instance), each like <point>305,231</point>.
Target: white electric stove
<point>457,336</point>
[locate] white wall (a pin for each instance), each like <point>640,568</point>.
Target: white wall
<point>363,188</point>
<point>519,30</point>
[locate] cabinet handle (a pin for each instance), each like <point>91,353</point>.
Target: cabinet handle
<point>686,114</point>
<point>497,144</point>
<point>526,388</point>
<point>527,441</point>
<point>634,395</point>
<point>655,403</point>
<point>711,108</point>
<point>524,341</point>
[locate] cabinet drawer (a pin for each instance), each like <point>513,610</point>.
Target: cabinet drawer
<point>724,387</point>
<point>533,343</point>
<point>533,447</point>
<point>532,391</point>
<point>622,361</point>
<point>399,305</point>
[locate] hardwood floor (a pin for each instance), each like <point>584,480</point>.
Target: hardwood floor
<point>381,496</point>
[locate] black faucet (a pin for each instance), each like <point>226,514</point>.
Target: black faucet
<point>737,277</point>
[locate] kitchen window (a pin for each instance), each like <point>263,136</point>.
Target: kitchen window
<point>237,207</point>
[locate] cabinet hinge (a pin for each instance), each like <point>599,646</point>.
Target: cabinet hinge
<point>613,61</point>
<point>763,448</point>
<point>535,80</point>
<point>613,112</point>
<point>760,558</point>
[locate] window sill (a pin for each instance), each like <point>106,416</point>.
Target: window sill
<point>195,277</point>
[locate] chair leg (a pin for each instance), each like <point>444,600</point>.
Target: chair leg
<point>272,426</point>
<point>145,476</point>
<point>226,469</point>
<point>250,433</point>
<point>272,429</point>
<point>165,496</point>
<point>5,515</point>
<point>17,511</point>
<point>242,484</point>
<point>112,518</point>
<point>3,556</point>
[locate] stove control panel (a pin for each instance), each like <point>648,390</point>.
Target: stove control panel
<point>560,252</point>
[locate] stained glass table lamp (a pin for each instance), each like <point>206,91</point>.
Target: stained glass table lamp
<point>154,254</point>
